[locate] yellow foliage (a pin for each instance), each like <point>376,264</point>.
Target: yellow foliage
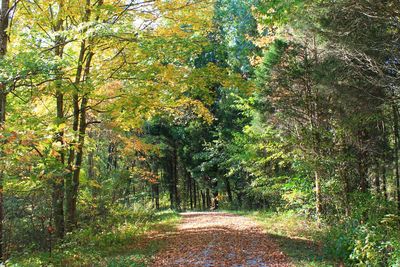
<point>184,18</point>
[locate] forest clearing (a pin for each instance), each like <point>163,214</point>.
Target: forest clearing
<point>199,133</point>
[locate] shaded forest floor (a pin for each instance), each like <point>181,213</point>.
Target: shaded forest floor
<point>301,239</point>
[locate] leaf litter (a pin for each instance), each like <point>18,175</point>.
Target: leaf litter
<point>218,239</point>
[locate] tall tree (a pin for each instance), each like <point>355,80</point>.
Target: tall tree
<point>4,21</point>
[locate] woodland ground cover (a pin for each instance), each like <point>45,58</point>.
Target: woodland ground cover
<point>117,243</point>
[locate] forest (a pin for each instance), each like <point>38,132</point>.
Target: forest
<point>160,132</point>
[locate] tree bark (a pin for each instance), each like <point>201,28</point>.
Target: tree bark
<point>112,161</point>
<point>2,126</point>
<point>240,199</point>
<point>318,203</point>
<point>175,177</point>
<point>72,213</point>
<point>203,199</point>
<point>346,193</point>
<point>396,152</point>
<point>194,193</point>
<point>189,182</point>
<point>208,198</point>
<point>362,165</point>
<point>229,190</point>
<point>215,202</point>
<point>4,21</point>
<point>80,124</point>
<point>58,181</point>
<point>157,195</point>
<point>69,181</point>
<point>377,180</point>
<point>384,183</point>
<point>91,171</point>
<point>170,181</point>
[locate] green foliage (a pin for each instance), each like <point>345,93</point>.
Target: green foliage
<point>366,240</point>
<point>276,12</point>
<point>271,58</point>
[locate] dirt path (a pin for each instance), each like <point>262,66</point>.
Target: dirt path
<point>214,239</point>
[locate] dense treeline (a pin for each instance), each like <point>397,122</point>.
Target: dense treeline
<point>108,107</point>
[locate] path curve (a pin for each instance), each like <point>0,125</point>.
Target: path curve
<point>217,239</point>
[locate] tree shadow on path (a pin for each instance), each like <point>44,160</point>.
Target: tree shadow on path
<point>219,239</point>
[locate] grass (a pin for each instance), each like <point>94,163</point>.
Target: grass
<point>298,237</point>
<point>121,244</point>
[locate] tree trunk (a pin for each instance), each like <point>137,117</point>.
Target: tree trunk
<point>72,212</point>
<point>203,200</point>
<point>170,182</point>
<point>112,161</point>
<point>72,215</point>
<point>189,182</point>
<point>79,123</point>
<point>127,192</point>
<point>215,202</point>
<point>4,17</point>
<point>91,171</point>
<point>194,194</point>
<point>384,183</point>
<point>318,203</point>
<point>362,166</point>
<point>3,103</point>
<point>208,198</point>
<point>79,127</point>
<point>239,199</point>
<point>58,181</point>
<point>157,195</point>
<point>396,152</point>
<point>2,126</point>
<point>4,21</point>
<point>377,180</point>
<point>229,190</point>
<point>69,180</point>
<point>175,177</point>
<point>346,192</point>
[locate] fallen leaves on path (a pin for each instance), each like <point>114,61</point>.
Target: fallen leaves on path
<point>215,239</point>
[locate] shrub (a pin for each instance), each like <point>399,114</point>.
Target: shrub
<point>370,243</point>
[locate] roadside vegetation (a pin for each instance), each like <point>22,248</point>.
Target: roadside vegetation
<point>124,241</point>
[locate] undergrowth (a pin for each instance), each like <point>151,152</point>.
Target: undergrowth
<point>116,242</point>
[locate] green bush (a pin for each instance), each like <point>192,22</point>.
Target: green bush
<point>368,241</point>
